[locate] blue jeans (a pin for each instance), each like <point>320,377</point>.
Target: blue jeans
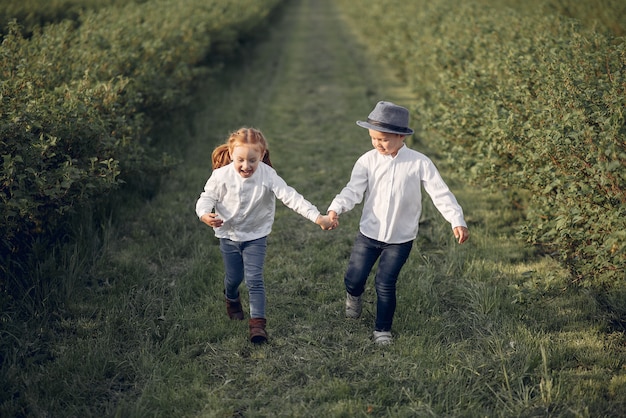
<point>245,260</point>
<point>392,257</point>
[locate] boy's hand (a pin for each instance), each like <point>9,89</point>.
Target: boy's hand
<point>326,222</point>
<point>334,217</point>
<point>461,233</point>
<point>212,220</point>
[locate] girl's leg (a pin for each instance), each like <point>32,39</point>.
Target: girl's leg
<point>233,266</point>
<point>254,261</point>
<point>365,252</point>
<point>392,259</point>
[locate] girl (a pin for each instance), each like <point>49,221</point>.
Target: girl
<point>238,202</point>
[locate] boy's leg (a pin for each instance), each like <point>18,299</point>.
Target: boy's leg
<point>392,260</point>
<point>365,252</point>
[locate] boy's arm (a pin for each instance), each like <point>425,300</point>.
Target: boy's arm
<point>445,202</point>
<point>352,194</point>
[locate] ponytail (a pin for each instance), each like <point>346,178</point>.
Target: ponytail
<point>266,158</point>
<point>220,156</point>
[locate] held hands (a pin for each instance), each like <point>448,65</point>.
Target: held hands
<point>328,222</point>
<point>212,220</point>
<point>461,233</point>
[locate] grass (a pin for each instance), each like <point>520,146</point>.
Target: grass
<point>483,329</point>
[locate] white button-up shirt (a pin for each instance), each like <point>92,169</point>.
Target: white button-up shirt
<point>247,205</point>
<point>393,195</point>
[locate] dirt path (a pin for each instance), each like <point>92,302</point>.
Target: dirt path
<point>304,87</point>
<point>307,85</point>
<point>158,305</point>
<point>147,333</point>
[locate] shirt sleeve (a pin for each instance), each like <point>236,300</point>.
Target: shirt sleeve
<point>353,193</point>
<point>209,197</point>
<point>442,197</point>
<point>292,199</point>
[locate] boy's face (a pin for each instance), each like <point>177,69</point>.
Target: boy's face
<point>246,159</point>
<point>386,143</point>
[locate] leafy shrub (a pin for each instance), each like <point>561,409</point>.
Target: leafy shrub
<point>602,15</point>
<point>77,103</point>
<point>524,102</point>
<point>31,14</point>
<point>57,148</point>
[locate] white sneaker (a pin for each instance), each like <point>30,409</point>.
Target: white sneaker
<point>382,337</point>
<point>353,306</point>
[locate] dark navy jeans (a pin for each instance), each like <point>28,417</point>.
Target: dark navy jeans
<point>391,258</point>
<point>245,260</point>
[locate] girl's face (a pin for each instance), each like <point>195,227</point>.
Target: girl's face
<point>386,143</point>
<point>246,159</point>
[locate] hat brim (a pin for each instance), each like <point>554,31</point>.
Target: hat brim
<point>367,125</point>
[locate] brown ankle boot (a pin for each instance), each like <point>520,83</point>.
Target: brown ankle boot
<point>257,330</point>
<point>233,309</point>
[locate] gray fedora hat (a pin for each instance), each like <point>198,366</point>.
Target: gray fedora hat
<point>388,117</point>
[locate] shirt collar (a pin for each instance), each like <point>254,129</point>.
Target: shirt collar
<point>400,151</point>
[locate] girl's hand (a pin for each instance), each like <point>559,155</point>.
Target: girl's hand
<point>212,220</point>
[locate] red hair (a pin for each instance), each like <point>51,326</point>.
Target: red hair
<point>242,136</point>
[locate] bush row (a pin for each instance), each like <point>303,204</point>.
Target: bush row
<point>31,14</point>
<point>607,16</point>
<point>527,102</point>
<point>77,102</point>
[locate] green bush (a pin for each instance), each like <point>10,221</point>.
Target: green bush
<point>57,144</point>
<point>77,103</point>
<point>602,15</point>
<point>31,14</point>
<point>534,104</point>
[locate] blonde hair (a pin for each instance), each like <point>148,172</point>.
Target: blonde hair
<point>242,136</point>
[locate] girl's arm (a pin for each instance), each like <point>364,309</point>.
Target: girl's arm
<point>295,201</point>
<point>207,200</point>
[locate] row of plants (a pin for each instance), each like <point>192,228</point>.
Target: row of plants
<point>607,16</point>
<point>78,103</point>
<point>32,14</point>
<point>532,103</point>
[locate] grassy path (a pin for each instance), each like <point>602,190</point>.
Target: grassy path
<point>482,329</point>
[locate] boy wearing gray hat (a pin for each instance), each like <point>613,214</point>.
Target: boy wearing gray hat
<point>389,178</point>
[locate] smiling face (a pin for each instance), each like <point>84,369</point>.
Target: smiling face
<point>386,143</point>
<point>246,159</point>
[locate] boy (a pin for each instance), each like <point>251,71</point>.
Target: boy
<point>390,178</point>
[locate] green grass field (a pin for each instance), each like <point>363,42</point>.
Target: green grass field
<point>483,329</point>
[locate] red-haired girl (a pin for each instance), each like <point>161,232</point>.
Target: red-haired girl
<point>238,202</point>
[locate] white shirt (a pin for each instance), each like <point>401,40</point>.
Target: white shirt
<point>393,195</point>
<point>247,205</point>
